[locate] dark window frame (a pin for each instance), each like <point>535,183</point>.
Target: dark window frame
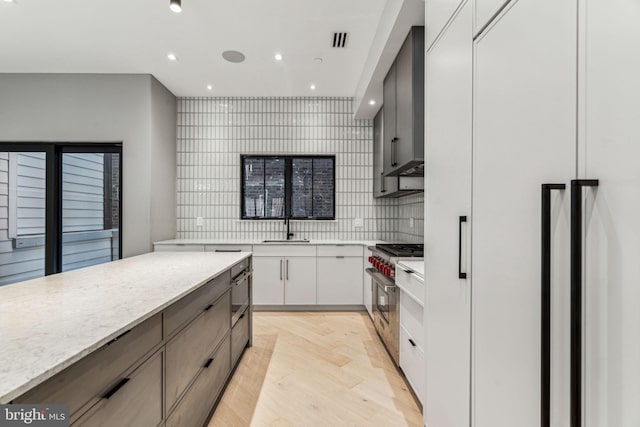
<point>288,190</point>
<point>53,200</point>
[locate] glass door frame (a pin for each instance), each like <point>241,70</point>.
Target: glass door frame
<point>53,189</point>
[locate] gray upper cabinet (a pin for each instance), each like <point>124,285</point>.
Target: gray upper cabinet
<point>389,186</point>
<point>404,109</point>
<point>382,186</point>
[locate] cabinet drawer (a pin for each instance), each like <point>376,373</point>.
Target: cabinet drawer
<point>227,248</point>
<point>95,374</point>
<point>190,349</point>
<point>239,336</point>
<point>412,318</point>
<point>240,267</point>
<point>178,247</point>
<point>340,250</point>
<point>179,313</point>
<point>239,296</point>
<point>288,250</point>
<point>137,402</point>
<point>412,364</point>
<point>197,403</point>
<point>410,282</point>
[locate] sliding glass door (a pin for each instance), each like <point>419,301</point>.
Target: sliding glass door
<point>60,208</point>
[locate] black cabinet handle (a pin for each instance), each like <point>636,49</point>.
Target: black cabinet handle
<point>207,308</point>
<point>115,388</point>
<point>394,152</point>
<point>576,299</point>
<point>461,219</point>
<point>545,288</point>
<point>208,363</point>
<point>241,316</point>
<point>228,250</point>
<point>383,190</point>
<point>412,342</point>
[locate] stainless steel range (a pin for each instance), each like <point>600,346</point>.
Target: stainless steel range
<point>385,297</point>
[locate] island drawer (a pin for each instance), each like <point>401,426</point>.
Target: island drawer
<point>94,375</point>
<point>188,351</point>
<point>197,403</point>
<point>239,336</point>
<point>135,400</point>
<point>181,312</point>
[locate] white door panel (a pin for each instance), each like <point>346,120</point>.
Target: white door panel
<point>448,195</point>
<point>524,136</point>
<point>610,150</point>
<point>268,280</point>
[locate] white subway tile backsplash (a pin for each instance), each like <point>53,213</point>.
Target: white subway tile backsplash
<point>214,132</point>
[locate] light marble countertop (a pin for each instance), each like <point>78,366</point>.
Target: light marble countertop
<point>415,266</point>
<point>47,324</point>
<point>261,242</point>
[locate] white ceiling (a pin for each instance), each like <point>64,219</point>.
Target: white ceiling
<point>135,36</point>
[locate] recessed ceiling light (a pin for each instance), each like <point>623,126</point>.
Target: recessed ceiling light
<point>176,6</point>
<point>9,1</point>
<point>209,87</point>
<point>372,102</point>
<point>233,56</point>
<point>317,60</point>
<point>172,57</point>
<point>312,87</point>
<point>278,57</point>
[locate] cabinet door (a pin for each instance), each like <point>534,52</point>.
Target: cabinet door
<point>300,273</point>
<point>382,186</point>
<point>340,281</point>
<point>525,135</point>
<point>389,118</point>
<point>485,10</point>
<point>410,99</point>
<point>437,14</point>
<point>609,152</point>
<point>268,280</point>
<point>448,173</point>
<point>367,290</point>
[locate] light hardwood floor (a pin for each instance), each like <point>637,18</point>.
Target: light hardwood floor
<point>316,369</point>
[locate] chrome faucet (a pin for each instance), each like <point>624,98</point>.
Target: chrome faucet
<point>289,233</point>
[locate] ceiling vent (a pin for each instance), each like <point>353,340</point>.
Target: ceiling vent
<point>339,40</point>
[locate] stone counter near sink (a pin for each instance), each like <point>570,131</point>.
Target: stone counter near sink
<point>48,324</point>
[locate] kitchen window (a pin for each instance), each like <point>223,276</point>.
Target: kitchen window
<point>296,187</point>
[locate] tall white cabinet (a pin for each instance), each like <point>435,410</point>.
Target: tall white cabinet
<point>609,150</point>
<point>524,136</point>
<point>555,98</point>
<point>447,310</point>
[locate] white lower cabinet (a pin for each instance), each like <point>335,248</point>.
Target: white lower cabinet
<point>268,281</point>
<point>300,280</point>
<point>284,280</point>
<point>340,280</point>
<point>367,284</point>
<point>412,360</point>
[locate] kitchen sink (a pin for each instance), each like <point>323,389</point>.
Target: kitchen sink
<point>287,241</point>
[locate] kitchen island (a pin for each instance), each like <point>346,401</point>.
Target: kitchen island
<point>146,340</point>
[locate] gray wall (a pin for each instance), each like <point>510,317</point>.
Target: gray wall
<point>132,109</point>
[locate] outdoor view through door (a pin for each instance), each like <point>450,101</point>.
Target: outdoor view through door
<point>81,182</point>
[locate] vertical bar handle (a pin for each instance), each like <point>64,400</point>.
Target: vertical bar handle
<point>545,289</point>
<point>280,269</point>
<point>287,269</point>
<point>576,299</point>
<point>461,219</point>
<point>394,152</point>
